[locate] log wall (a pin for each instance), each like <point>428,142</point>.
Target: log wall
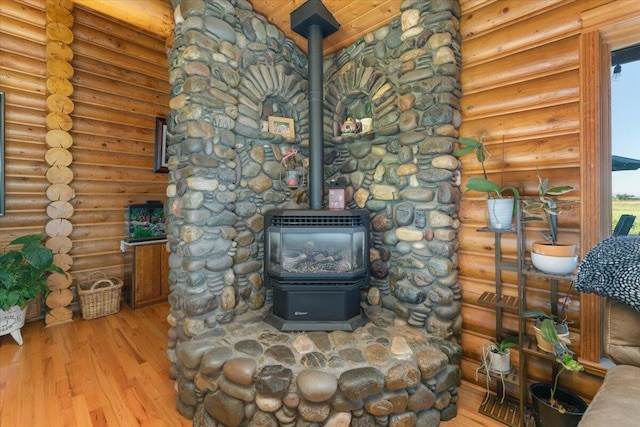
<point>22,79</point>
<point>120,85</point>
<point>521,80</point>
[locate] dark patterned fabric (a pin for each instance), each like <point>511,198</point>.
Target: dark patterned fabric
<point>612,269</point>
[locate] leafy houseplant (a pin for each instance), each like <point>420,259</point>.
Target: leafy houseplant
<point>554,406</point>
<point>546,209</point>
<point>500,218</point>
<point>560,326</point>
<point>505,344</point>
<point>483,185</point>
<point>23,271</point>
<point>564,356</point>
<point>560,323</point>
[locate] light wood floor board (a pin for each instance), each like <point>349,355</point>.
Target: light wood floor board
<point>113,372</point>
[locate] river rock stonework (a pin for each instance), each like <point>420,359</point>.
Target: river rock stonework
<point>230,70</point>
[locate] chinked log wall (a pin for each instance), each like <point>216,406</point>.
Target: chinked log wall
<point>521,88</point>
<point>120,85</point>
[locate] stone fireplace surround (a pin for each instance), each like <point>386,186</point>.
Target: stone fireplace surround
<point>229,70</point>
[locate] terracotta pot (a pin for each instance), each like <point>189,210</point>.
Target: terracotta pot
<point>559,249</point>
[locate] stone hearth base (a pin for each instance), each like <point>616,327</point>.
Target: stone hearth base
<point>385,373</point>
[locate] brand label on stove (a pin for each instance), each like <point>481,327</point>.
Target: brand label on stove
<point>300,313</point>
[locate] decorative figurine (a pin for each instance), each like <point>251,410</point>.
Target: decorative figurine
<point>350,126</point>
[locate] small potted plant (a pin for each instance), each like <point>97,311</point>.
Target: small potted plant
<point>500,206</point>
<point>499,355</point>
<point>549,255</point>
<point>560,324</point>
<point>496,359</point>
<point>23,277</point>
<point>554,406</point>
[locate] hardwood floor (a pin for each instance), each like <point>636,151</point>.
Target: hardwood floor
<point>112,371</point>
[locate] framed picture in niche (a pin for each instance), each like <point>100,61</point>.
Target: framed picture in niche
<point>282,126</point>
<point>161,156</point>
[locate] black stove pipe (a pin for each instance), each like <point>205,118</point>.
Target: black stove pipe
<point>314,21</point>
<point>316,140</point>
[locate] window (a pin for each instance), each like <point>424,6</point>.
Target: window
<point>625,146</point>
<point>606,28</point>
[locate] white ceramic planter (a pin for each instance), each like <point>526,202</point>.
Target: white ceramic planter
<point>11,321</point>
<point>554,264</point>
<point>500,213</point>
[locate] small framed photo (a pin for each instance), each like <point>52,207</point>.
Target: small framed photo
<point>281,126</point>
<point>161,156</point>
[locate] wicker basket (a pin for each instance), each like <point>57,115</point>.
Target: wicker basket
<point>100,297</point>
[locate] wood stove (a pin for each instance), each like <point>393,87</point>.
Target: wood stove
<point>316,262</point>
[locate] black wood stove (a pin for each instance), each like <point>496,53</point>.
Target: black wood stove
<point>316,262</point>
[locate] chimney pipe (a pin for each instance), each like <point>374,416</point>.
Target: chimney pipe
<point>313,21</point>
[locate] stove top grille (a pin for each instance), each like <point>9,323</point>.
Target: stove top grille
<point>323,283</point>
<point>317,221</point>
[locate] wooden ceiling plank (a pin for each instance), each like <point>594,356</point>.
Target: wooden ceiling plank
<point>350,14</point>
<point>356,17</point>
<point>153,16</point>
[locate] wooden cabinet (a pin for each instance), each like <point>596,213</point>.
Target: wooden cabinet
<point>147,274</point>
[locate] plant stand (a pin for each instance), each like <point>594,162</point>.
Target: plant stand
<point>12,321</point>
<point>514,411</point>
<point>506,411</point>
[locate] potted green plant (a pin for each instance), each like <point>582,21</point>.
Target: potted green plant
<point>549,256</point>
<point>499,355</point>
<point>554,406</point>
<point>559,322</point>
<point>499,205</point>
<point>496,360</point>
<point>23,276</point>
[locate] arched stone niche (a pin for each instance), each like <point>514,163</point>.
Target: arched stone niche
<point>267,90</point>
<point>230,70</point>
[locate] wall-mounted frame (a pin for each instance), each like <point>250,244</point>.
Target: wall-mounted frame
<point>281,126</point>
<point>1,153</point>
<point>161,156</point>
